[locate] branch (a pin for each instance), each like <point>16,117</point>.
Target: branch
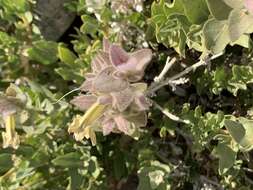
<point>168,65</point>
<point>170,115</point>
<point>157,85</point>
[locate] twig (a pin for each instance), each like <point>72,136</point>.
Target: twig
<point>168,64</point>
<point>204,178</point>
<point>170,115</point>
<point>157,85</point>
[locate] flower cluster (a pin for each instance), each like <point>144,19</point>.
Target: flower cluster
<point>114,101</point>
<point>123,6</point>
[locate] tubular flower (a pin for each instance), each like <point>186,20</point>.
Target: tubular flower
<point>9,105</point>
<point>114,101</point>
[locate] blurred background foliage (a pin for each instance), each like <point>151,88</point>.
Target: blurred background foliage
<point>42,59</point>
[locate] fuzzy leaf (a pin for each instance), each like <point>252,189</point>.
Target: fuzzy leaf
<point>239,23</point>
<point>65,55</point>
<point>219,9</point>
<point>242,132</point>
<point>196,10</point>
<point>216,36</point>
<point>227,156</point>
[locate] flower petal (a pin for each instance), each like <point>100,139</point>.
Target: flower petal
<point>249,5</point>
<point>86,86</point>
<point>100,61</point>
<point>83,102</point>
<point>105,83</point>
<point>142,57</point>
<point>122,99</point>
<point>108,126</point>
<point>118,55</point>
<point>136,64</point>
<point>142,102</point>
<point>106,45</point>
<point>122,124</point>
<point>8,105</point>
<point>105,100</point>
<point>139,119</point>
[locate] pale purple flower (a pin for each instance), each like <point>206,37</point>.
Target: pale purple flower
<point>113,101</point>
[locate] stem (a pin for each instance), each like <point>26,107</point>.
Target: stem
<point>157,85</point>
<point>170,115</point>
<point>168,65</point>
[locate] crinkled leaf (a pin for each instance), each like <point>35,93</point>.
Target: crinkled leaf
<point>235,4</point>
<point>6,162</point>
<point>69,160</point>
<point>242,132</point>
<point>219,9</point>
<point>239,23</point>
<point>44,52</point>
<point>196,10</point>
<point>216,35</point>
<point>65,55</point>
<point>227,156</point>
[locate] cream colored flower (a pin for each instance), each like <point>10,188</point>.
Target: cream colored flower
<point>10,136</point>
<point>84,126</point>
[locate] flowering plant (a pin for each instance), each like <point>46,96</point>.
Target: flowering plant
<point>114,101</point>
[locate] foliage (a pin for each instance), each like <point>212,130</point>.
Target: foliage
<point>206,144</point>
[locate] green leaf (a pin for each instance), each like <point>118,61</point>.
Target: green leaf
<point>69,160</point>
<point>242,132</point>
<point>196,10</point>
<point>195,38</point>
<point>69,74</point>
<point>239,23</point>
<point>5,162</point>
<point>93,167</point>
<point>235,4</point>
<point>14,6</point>
<point>76,179</point>
<point>95,4</point>
<point>119,165</point>
<point>227,156</point>
<point>171,26</point>
<point>154,176</point>
<point>243,41</point>
<point>44,52</point>
<point>216,36</point>
<point>218,9</point>
<point>65,55</point>
<point>90,25</point>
